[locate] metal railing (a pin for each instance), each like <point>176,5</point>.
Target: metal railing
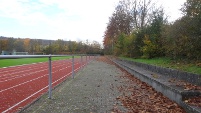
<point>49,64</point>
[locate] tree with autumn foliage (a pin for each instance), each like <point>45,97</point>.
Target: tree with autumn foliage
<point>39,46</point>
<point>129,22</point>
<point>145,27</point>
<point>183,37</point>
<point>27,44</point>
<point>153,41</point>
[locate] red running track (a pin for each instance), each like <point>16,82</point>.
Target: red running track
<point>21,85</point>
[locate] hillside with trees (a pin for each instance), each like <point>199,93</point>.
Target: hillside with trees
<point>139,29</point>
<point>40,46</point>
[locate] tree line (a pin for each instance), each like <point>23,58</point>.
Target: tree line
<point>138,28</point>
<point>40,46</point>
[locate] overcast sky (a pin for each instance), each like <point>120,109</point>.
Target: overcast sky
<point>76,20</point>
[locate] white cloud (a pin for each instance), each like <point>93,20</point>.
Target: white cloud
<point>10,9</point>
<point>79,19</point>
<point>64,19</point>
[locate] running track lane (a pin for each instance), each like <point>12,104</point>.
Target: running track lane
<point>21,85</point>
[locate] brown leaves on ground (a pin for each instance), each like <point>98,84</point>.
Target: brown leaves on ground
<point>194,101</point>
<point>138,97</point>
<point>187,86</point>
<point>106,60</point>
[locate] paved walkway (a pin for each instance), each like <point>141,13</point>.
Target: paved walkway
<point>93,90</point>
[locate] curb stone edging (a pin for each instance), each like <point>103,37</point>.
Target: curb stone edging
<point>173,73</point>
<point>167,90</point>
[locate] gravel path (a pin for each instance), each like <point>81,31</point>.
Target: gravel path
<point>93,90</point>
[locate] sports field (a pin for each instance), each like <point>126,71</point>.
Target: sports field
<point>22,84</point>
<point>21,61</point>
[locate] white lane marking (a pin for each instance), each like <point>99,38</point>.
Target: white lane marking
<point>35,64</point>
<point>26,82</point>
<point>18,76</point>
<point>19,66</point>
<point>38,91</point>
<point>23,100</point>
<point>22,83</point>
<point>34,94</point>
<point>30,66</point>
<point>20,70</point>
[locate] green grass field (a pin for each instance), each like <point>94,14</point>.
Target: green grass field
<point>13,62</point>
<point>167,62</point>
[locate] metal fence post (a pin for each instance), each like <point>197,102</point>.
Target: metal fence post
<point>81,62</point>
<point>73,66</point>
<point>50,78</point>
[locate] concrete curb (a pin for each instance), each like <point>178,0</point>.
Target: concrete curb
<point>162,86</point>
<point>173,73</point>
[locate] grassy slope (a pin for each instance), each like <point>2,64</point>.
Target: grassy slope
<point>13,62</point>
<point>166,62</point>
